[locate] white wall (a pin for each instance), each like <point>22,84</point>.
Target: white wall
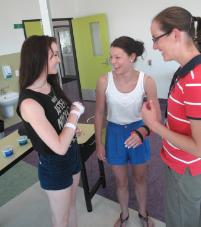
<point>12,12</point>
<point>127,17</point>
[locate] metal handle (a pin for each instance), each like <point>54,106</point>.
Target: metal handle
<point>106,62</point>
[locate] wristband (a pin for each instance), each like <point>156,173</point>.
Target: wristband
<point>76,113</point>
<point>70,125</point>
<point>147,129</point>
<point>140,135</point>
<point>79,106</point>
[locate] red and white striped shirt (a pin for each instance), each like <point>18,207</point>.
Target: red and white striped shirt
<point>184,103</point>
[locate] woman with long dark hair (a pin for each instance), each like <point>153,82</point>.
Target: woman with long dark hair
<point>50,121</point>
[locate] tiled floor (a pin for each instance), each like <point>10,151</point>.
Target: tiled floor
<point>31,209</point>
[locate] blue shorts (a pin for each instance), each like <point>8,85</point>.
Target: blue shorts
<point>56,172</point>
<point>117,153</point>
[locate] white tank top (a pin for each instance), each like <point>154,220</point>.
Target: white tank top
<point>124,108</point>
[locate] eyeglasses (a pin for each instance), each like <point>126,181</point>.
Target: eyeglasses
<point>155,39</point>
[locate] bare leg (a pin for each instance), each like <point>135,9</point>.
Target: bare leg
<point>60,201</point>
<point>72,211</point>
<point>121,176</point>
<point>140,175</point>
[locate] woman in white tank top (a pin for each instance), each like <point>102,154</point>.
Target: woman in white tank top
<point>121,92</point>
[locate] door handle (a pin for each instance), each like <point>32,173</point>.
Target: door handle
<point>106,62</point>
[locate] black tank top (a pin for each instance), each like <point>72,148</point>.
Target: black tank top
<point>56,111</point>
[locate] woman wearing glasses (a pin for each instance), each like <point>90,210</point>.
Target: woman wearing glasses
<point>177,35</point>
<point>123,90</point>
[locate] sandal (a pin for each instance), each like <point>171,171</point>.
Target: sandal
<point>146,221</point>
<point>123,220</point>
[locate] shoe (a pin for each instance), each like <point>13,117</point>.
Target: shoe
<point>146,221</point>
<point>122,221</point>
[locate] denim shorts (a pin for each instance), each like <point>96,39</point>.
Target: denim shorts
<point>117,153</point>
<point>56,172</point>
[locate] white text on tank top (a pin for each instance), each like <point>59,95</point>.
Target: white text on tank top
<point>124,108</point>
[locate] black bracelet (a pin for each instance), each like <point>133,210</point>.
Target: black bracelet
<point>147,129</point>
<point>140,135</point>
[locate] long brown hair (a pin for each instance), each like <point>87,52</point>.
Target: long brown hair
<point>34,59</point>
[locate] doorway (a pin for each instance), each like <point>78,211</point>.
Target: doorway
<point>92,49</point>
